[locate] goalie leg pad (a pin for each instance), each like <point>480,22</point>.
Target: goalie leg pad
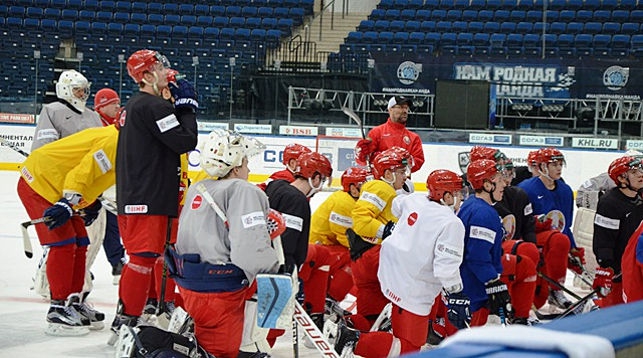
<point>275,295</point>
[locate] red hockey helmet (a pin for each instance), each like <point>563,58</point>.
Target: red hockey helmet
<point>442,181</point>
<point>549,155</point>
<point>310,163</point>
<point>143,61</point>
<point>621,165</point>
<point>481,170</point>
<point>480,152</point>
<point>353,175</point>
<point>392,158</point>
<point>531,157</point>
<point>293,151</point>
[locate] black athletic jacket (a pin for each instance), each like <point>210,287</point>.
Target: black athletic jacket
<point>515,201</point>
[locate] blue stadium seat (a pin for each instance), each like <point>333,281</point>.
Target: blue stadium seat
<point>630,28</point>
<point>220,21</point>
<point>285,25</point>
<point>611,28</point>
<point>121,17</point>
<point>485,15</point>
<point>226,33</point>
<point>138,18</point>
<point>211,33</point>
<point>370,37</point>
<point>171,9</point>
<point>477,4</point>
<point>125,6</point>
<point>427,26</point>
<point>186,9</point>
<point>179,32</point>
<point>509,4</point>
<point>634,16</point>
<point>592,28</point>
<point>538,27</point>
<point>32,12</point>
<point>557,4</point>
<point>469,15</point>
<point>609,4</point>
<point>416,37</point>
<point>154,8</point>
<point>264,11</point>
<point>354,37</point>
<point>447,41</point>
<point>164,31</point>
<point>534,16</point>
<point>113,28</point>
<point>575,4</point>
<point>481,43</point>
<point>401,37</point>
<point>566,45</point>
<point>87,15</point>
<point>454,15</point>
<point>443,26</point>
<point>461,4</point>
<point>54,14</point>
<point>249,11</point>
<point>16,11</point>
<point>217,10</point>
<point>257,34</point>
<point>269,23</point>
<point>584,15</point>
<point>602,16</point>
<point>497,45</point>
<point>201,10</point>
<point>377,14</point>
<point>309,4</point>
<point>148,30</point>
<point>65,27</point>
<point>459,26</point>
<point>104,5</point>
<point>525,5</point>
<point>557,27</point>
<point>445,4</point>
<point>188,20</point>
<point>491,27</point>
<point>423,14</point>
<point>132,30</point>
<point>408,14</point>
<point>242,34</point>
<point>98,28</point>
<point>101,16</point>
<point>637,45</point>
<point>583,44</point>
<point>392,14</point>
<point>139,6</point>
<point>620,45</point>
<point>273,35</point>
<point>552,15</point>
<point>253,22</point>
<point>438,15</point>
<point>382,25</point>
<point>204,20</point>
<point>567,16</point>
<point>524,27</point>
<point>475,26</point>
<point>514,41</point>
<point>92,5</point>
<point>493,4</point>
<point>155,19</point>
<point>366,25</point>
<point>397,25</point>
<point>412,25</point>
<point>280,12</point>
<point>508,27</point>
<point>517,15</point>
<point>627,4</point>
<point>464,39</point>
<point>600,44</point>
<point>237,21</point>
<point>575,28</point>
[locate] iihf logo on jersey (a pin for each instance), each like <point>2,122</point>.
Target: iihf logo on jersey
<point>615,77</point>
<point>121,118</point>
<point>408,72</point>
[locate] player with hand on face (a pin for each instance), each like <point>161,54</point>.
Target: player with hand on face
<point>420,259</point>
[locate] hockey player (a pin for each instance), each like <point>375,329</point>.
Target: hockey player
<point>632,266</point>
<point>153,135</point>
<point>550,195</point>
<point>108,105</point>
<point>422,256</point>
<point>68,115</point>
<point>223,243</point>
<point>56,181</point>
<point>520,254</point>
<point>290,155</point>
<point>481,267</point>
<point>291,200</point>
<point>393,133</point>
<point>614,223</point>
<point>327,268</point>
<point>373,222</point>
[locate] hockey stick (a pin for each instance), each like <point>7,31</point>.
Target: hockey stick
<point>352,115</point>
<point>585,274</point>
<point>109,205</point>
<point>160,308</point>
<point>557,284</point>
<point>26,240</point>
<point>295,338</point>
<point>13,146</point>
<point>315,335</point>
<point>383,317</point>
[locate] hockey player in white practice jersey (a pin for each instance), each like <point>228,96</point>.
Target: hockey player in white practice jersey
<point>223,243</point>
<point>422,256</point>
<point>68,115</point>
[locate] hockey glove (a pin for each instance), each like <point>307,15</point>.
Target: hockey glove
<point>542,225</point>
<point>58,214</point>
<point>603,281</point>
<point>91,212</point>
<point>363,151</point>
<point>356,246</point>
<point>499,299</point>
<point>388,229</point>
<point>458,310</point>
<point>576,260</point>
<point>184,95</point>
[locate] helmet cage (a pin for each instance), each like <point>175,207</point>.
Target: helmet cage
<point>224,150</point>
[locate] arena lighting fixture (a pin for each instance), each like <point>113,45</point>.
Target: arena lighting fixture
<point>553,108</point>
<point>522,107</point>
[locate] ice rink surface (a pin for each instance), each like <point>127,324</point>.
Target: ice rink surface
<point>22,311</point>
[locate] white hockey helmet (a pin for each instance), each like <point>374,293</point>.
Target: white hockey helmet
<point>634,153</point>
<point>224,150</point>
<point>73,87</point>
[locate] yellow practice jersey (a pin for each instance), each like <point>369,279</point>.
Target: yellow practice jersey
<point>82,162</point>
<point>331,219</point>
<point>373,210</point>
<point>184,182</point>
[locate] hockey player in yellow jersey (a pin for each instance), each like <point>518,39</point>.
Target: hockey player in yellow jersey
<point>327,268</point>
<point>373,222</point>
<point>57,179</point>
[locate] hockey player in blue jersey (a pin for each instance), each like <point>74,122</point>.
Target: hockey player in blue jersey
<point>553,199</point>
<point>481,266</point>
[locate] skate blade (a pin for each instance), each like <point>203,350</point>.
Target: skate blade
<point>112,339</point>
<point>116,280</point>
<point>61,330</point>
<point>96,325</point>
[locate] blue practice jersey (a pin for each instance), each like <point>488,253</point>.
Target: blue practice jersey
<point>482,248</point>
<point>544,200</point>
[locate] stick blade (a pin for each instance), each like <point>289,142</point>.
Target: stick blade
<point>26,240</point>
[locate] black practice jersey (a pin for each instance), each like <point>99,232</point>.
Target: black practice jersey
<point>517,214</point>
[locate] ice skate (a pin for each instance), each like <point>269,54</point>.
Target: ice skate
<point>558,299</point>
<point>87,312</point>
<point>64,321</point>
<point>346,340</point>
<point>121,319</point>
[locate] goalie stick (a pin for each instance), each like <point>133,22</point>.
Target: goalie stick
<point>310,329</point>
<point>26,240</point>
